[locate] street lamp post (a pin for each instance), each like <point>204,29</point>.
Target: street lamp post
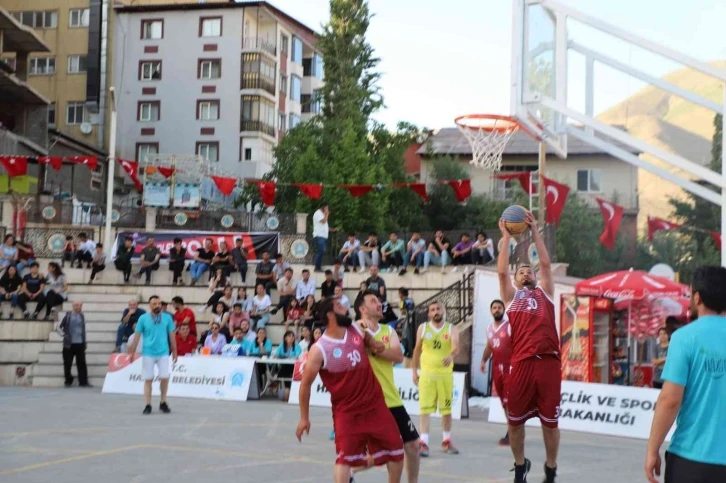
<point>111,174</point>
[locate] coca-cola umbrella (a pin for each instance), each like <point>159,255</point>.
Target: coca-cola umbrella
<point>630,285</point>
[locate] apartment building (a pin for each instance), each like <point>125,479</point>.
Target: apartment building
<point>222,80</point>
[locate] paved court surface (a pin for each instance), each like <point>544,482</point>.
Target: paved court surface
<point>83,436</point>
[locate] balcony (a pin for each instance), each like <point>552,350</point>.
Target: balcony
<point>257,126</point>
<point>257,44</point>
<point>255,81</point>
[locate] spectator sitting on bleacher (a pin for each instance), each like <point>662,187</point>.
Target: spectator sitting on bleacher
<point>217,286</point>
<point>309,308</point>
<point>123,258</point>
<point>247,334</point>
<point>148,260</point>
<point>327,288</point>
<point>10,286</point>
<point>202,261</point>
<point>237,316</point>
<point>177,257</point>
<point>243,299</point>
<point>132,338</point>
<point>359,299</point>
<point>26,255</point>
<point>237,342</point>
<point>221,317</point>
<point>98,263</point>
<point>317,334</point>
<point>306,339</point>
<point>215,341</point>
<point>128,320</point>
<point>287,350</point>
<point>344,301</point>
<point>261,305</point>
<point>261,346</point>
<point>264,274</point>
<point>8,253</point>
<point>278,269</point>
<point>184,315</point>
<point>305,286</point>
<point>223,259</point>
<point>56,288</point>
<point>338,273</point>
<point>294,315</point>
<point>33,287</point>
<point>85,251</point>
<point>69,251</point>
<point>239,259</point>
<point>186,343</point>
<point>286,291</point>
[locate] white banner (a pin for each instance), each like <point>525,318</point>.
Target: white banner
<point>207,377</point>
<point>319,396</point>
<point>599,408</point>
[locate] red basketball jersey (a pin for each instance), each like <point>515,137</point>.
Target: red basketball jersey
<point>532,318</point>
<point>347,374</point>
<point>501,342</point>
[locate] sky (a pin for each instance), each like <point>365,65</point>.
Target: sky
<point>443,59</point>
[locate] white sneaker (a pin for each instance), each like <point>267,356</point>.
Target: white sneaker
<point>423,270</point>
<point>362,270</point>
<point>456,269</point>
<point>202,309</point>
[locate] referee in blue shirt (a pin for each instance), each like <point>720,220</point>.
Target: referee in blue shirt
<point>694,391</point>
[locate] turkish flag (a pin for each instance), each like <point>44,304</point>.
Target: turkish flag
<point>461,187</point>
<point>612,215</point>
<point>90,161</point>
<point>56,162</point>
<point>357,190</point>
<point>165,171</point>
<point>716,239</point>
<point>659,224</point>
<point>555,199</point>
<point>267,191</point>
<point>523,177</point>
<point>15,165</point>
<point>312,191</point>
<point>418,188</point>
<point>132,169</point>
<point>224,185</point>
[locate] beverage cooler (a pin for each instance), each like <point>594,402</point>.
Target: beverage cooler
<point>590,342</point>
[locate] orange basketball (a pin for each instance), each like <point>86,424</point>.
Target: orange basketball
<point>515,218</point>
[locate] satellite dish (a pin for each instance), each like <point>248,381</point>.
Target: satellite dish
<point>86,128</point>
<point>663,270</point>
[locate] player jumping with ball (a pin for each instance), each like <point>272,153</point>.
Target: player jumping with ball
<point>533,385</point>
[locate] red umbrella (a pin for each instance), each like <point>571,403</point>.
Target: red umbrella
<point>630,285</point>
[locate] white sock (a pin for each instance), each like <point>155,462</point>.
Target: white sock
<point>425,439</point>
<point>447,435</point>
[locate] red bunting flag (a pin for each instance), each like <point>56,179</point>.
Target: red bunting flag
<point>418,188</point>
<point>267,191</point>
<point>555,199</point>
<point>312,191</point>
<point>56,162</point>
<point>524,178</point>
<point>461,187</point>
<point>224,185</point>
<point>165,171</point>
<point>658,224</point>
<point>612,215</point>
<point>132,169</point>
<point>90,161</point>
<point>15,165</point>
<point>357,190</point>
<point>716,239</point>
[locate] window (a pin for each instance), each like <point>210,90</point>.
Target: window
<point>75,112</point>
<point>149,111</point>
<point>258,114</point>
<point>40,20</point>
<point>589,180</point>
<point>316,102</point>
<point>152,29</point>
<point>210,27</point>
<point>258,72</point>
<point>10,62</point>
<point>207,110</point>
<point>209,69</point>
<point>506,189</point>
<point>294,120</point>
<point>317,66</point>
<point>51,114</point>
<point>310,103</point>
<point>144,150</point>
<point>248,154</point>
<point>307,67</point>
<point>297,49</point>
<point>282,122</point>
<point>150,70</point>
<point>78,17</point>
<point>295,86</point>
<point>209,151</point>
<point>283,83</point>
<point>284,44</point>
<point>76,64</point>
<point>42,66</point>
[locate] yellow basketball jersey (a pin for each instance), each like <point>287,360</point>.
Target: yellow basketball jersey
<point>383,369</point>
<point>436,348</point>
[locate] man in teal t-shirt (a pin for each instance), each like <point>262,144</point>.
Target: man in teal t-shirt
<point>157,330</point>
<point>694,390</point>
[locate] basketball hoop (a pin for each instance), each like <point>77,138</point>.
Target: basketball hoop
<point>488,135</point>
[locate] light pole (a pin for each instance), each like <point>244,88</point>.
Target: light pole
<point>111,174</point>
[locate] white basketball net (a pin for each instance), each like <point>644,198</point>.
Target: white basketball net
<point>488,138</point>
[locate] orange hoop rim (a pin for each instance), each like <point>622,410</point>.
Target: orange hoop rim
<point>501,124</point>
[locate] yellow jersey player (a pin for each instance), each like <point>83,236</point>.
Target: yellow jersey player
<point>437,344</point>
<point>370,308</point>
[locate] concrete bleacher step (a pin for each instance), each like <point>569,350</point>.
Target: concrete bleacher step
<point>90,337</point>
<point>58,381</point>
<point>108,297</point>
<point>26,352</point>
<point>91,357</point>
<point>56,346</point>
<point>24,330</point>
<point>56,369</point>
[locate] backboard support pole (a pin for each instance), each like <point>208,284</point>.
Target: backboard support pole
<point>542,162</point>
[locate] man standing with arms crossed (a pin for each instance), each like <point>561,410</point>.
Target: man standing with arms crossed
<point>157,330</point>
<point>499,347</point>
<point>320,234</point>
<point>382,364</point>
<point>437,344</point>
<point>360,416</point>
<point>534,381</point>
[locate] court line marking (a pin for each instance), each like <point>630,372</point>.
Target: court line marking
<point>70,459</point>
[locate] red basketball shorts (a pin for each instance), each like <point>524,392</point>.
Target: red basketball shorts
<point>499,381</point>
<point>373,432</point>
<point>533,390</point>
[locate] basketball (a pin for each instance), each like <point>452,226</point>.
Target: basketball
<point>515,219</point>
